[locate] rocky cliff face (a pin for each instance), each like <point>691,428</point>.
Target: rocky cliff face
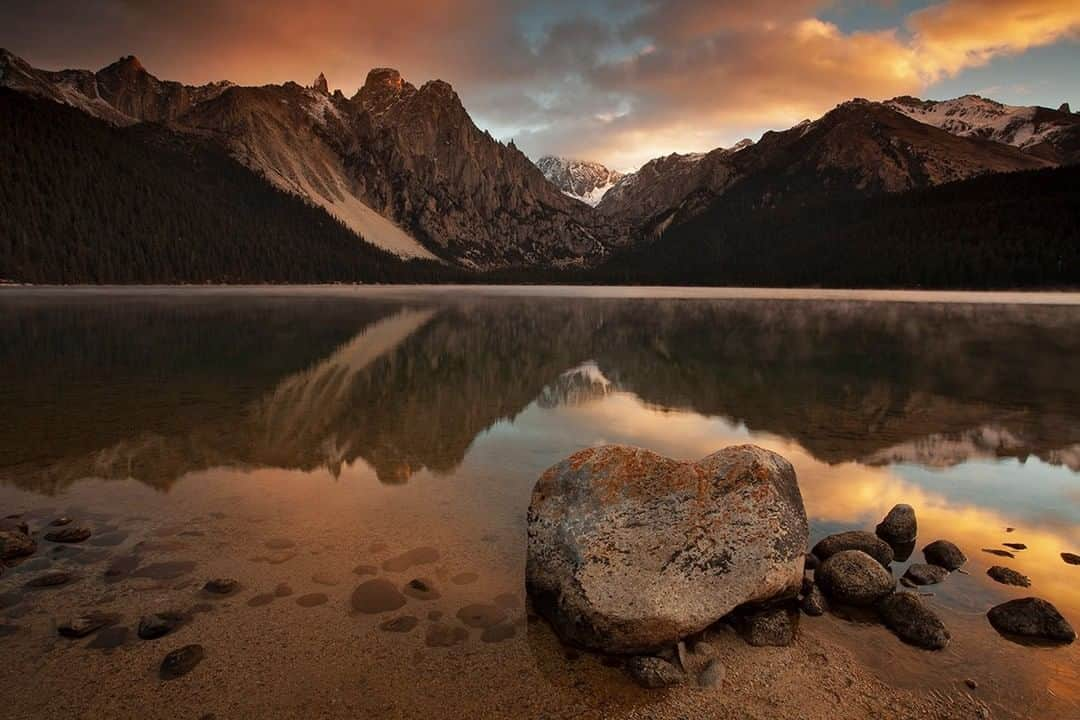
<point>404,167</point>
<point>581,180</point>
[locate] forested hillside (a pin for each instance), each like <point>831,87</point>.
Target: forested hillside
<point>997,231</point>
<point>84,202</point>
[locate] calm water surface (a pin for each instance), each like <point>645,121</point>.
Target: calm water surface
<point>326,438</point>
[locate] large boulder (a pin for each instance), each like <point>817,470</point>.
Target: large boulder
<point>867,542</point>
<point>854,578</point>
<point>899,526</point>
<point>629,551</point>
<point>913,622</point>
<point>1031,618</point>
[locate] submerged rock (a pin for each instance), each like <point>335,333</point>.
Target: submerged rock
<point>914,623</point>
<point>999,553</point>
<point>926,574</point>
<point>68,535</point>
<point>1008,576</point>
<point>180,662</point>
<point>653,672</point>
<point>899,526</point>
<point>1015,546</point>
<point>629,552</point>
<point>1031,618</point>
<point>15,544</point>
<point>1071,558</point>
<point>867,542</point>
<point>854,578</point>
<point>944,554</point>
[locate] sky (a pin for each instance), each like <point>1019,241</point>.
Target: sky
<point>616,81</point>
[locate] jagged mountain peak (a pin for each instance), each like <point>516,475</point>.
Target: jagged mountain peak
<point>580,179</point>
<point>127,64</point>
<point>321,85</point>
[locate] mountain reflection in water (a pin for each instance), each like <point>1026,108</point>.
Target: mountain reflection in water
<point>971,413</point>
<point>155,390</point>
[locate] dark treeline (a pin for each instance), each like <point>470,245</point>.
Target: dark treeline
<point>83,202</point>
<point>1010,230</point>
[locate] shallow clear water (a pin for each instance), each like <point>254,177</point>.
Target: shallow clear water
<point>329,438</point>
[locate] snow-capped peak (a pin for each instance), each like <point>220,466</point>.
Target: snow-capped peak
<point>976,116</point>
<point>580,179</point>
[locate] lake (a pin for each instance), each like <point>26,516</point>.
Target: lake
<point>305,441</point>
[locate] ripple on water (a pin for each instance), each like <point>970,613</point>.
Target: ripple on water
<point>376,596</point>
<point>418,556</point>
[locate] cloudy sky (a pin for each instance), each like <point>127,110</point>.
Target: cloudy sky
<point>615,81</point>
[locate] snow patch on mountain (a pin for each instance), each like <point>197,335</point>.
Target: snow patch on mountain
<point>975,116</point>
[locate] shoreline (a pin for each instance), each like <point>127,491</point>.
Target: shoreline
<point>966,297</point>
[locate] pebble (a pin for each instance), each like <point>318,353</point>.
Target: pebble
<point>61,521</point>
<point>83,625</point>
<point>1071,558</point>
<point>68,535</point>
<point>945,554</point>
<point>481,615</point>
<point>312,600</point>
<point>926,574</point>
<point>181,661</point>
<point>971,683</point>
<point>158,625</point>
<point>376,596</point>
<point>283,590</point>
<point>51,579</point>
<point>221,586</point>
<point>1015,546</point>
<point>653,672</point>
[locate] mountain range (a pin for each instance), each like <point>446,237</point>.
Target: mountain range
<point>406,170</point>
